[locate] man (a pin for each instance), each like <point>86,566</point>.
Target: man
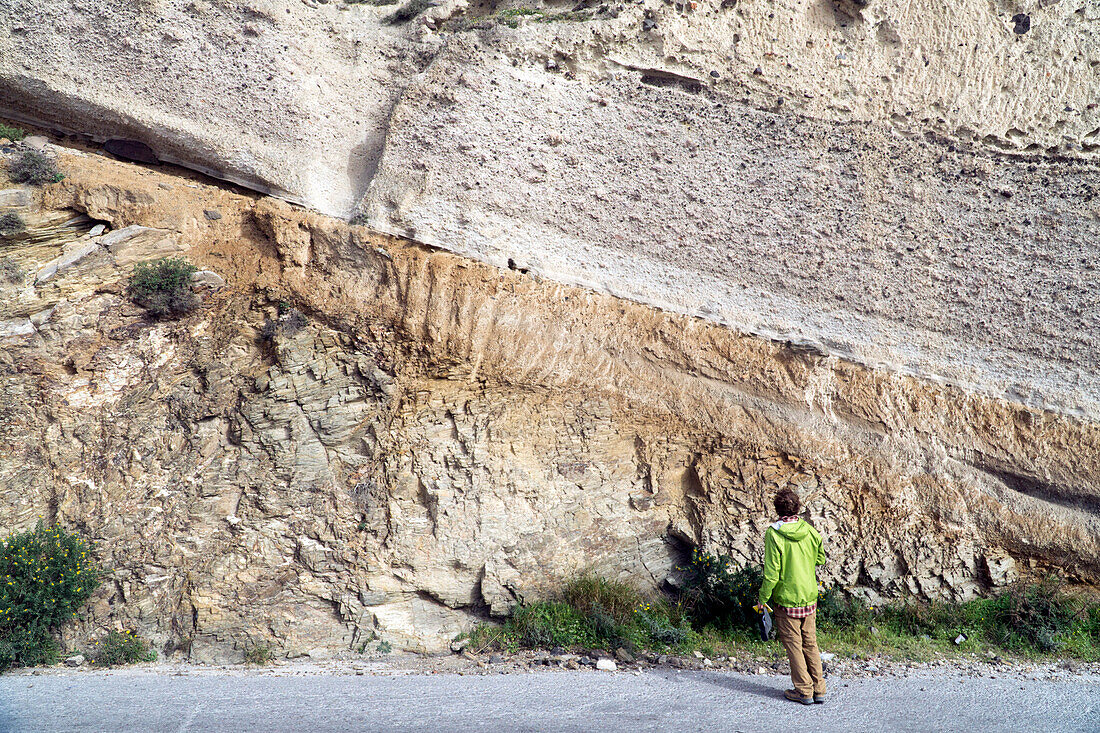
<point>792,552</point>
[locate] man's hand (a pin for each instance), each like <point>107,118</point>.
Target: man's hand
<point>761,607</point>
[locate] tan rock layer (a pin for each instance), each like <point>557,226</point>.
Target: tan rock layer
<point>420,438</point>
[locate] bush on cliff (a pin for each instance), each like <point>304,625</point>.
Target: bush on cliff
<point>163,287</point>
<point>11,224</point>
<point>35,168</point>
<point>15,134</point>
<point>10,271</point>
<point>46,574</point>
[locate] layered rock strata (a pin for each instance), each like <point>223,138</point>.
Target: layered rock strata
<point>359,436</point>
<point>909,186</point>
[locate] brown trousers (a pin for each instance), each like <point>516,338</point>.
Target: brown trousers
<point>799,637</point>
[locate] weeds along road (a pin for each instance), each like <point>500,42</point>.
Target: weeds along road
<point>136,700</point>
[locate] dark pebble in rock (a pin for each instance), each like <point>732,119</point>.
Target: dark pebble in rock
<point>1022,23</point>
<point>212,215</point>
<point>649,24</point>
<point>714,74</point>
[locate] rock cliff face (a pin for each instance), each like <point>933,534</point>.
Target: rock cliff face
<point>360,435</point>
<point>904,185</point>
<point>618,273</point>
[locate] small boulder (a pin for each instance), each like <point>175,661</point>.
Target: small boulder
<point>458,645</point>
<point>212,214</point>
<point>97,230</point>
<point>624,656</point>
<point>207,279</point>
<point>606,665</point>
<point>74,661</point>
<point>16,197</point>
<point>319,653</point>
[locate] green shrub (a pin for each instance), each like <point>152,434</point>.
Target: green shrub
<point>20,647</point>
<point>14,134</point>
<point>718,593</point>
<point>916,619</point>
<point>122,647</point>
<point>10,270</point>
<point>163,287</point>
<point>550,624</point>
<point>35,168</point>
<point>1037,615</point>
<point>11,224</point>
<point>837,610</point>
<point>659,627</point>
<point>258,654</point>
<point>46,574</point>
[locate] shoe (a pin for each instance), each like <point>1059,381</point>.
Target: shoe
<point>797,697</point>
<point>819,699</point>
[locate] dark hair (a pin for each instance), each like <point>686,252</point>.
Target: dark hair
<point>787,503</point>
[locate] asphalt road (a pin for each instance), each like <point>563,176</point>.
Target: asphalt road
<point>541,701</point>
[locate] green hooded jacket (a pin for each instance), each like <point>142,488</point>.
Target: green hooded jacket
<point>792,552</point>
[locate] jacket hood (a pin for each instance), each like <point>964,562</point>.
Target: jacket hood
<point>794,531</point>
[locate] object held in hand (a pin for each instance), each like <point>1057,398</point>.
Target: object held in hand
<point>764,626</point>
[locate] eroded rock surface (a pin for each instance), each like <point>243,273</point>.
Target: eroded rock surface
<point>358,435</point>
<point>910,186</point>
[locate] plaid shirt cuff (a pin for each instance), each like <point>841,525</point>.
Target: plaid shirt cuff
<point>801,611</point>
